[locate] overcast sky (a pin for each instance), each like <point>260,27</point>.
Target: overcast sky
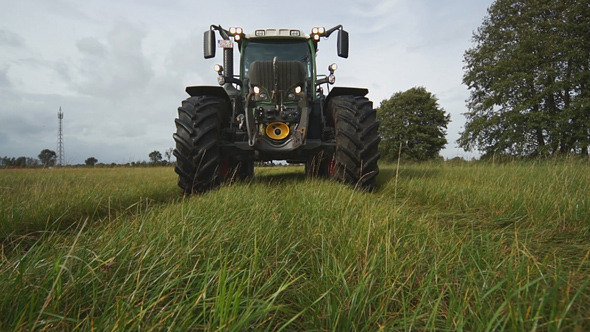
<point>118,69</point>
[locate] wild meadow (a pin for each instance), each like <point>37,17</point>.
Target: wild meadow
<point>439,246</point>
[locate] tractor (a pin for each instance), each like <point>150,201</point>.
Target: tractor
<point>275,109</point>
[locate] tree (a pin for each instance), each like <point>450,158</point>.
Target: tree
<point>32,162</point>
<point>91,161</point>
<point>529,78</point>
<point>155,157</point>
<point>47,157</point>
<point>414,119</point>
<point>169,153</point>
<point>7,161</point>
<point>20,162</point>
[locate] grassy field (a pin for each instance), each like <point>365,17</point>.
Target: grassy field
<point>470,246</point>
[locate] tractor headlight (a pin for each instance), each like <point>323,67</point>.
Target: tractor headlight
<point>331,79</point>
<point>294,94</point>
<point>236,31</point>
<point>218,68</point>
<point>259,94</point>
<point>318,31</point>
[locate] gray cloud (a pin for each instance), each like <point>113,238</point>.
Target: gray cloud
<point>3,138</point>
<point>63,70</point>
<point>65,10</point>
<point>91,46</point>
<point>28,125</point>
<point>4,80</point>
<point>115,68</point>
<point>9,38</point>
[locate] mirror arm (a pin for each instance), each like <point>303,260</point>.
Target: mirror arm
<point>224,33</point>
<point>329,32</point>
<point>234,80</point>
<point>330,79</point>
<point>321,81</point>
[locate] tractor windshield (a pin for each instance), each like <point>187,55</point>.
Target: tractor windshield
<point>284,50</point>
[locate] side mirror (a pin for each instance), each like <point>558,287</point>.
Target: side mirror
<point>209,44</point>
<point>342,43</point>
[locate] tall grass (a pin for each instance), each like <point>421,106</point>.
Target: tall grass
<point>37,200</point>
<point>462,247</point>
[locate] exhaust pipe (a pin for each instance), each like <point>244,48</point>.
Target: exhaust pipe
<point>228,64</point>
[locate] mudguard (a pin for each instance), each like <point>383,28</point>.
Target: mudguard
<point>202,90</point>
<point>342,91</point>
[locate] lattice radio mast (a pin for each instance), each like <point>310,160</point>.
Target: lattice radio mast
<point>60,139</point>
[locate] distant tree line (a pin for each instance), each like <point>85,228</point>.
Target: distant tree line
<point>48,158</point>
<point>20,162</point>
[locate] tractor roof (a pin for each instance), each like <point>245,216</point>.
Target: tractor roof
<point>278,33</point>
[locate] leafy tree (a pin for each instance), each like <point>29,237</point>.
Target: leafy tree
<point>20,162</point>
<point>415,120</point>
<point>91,161</point>
<point>7,161</point>
<point>47,157</point>
<point>529,78</point>
<point>32,162</point>
<point>155,157</point>
<point>168,153</point>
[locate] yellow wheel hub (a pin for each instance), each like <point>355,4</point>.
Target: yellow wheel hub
<point>277,130</point>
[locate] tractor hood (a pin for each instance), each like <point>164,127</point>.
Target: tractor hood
<point>280,80</point>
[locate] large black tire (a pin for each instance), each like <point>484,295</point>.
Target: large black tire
<point>357,141</point>
<point>198,131</point>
